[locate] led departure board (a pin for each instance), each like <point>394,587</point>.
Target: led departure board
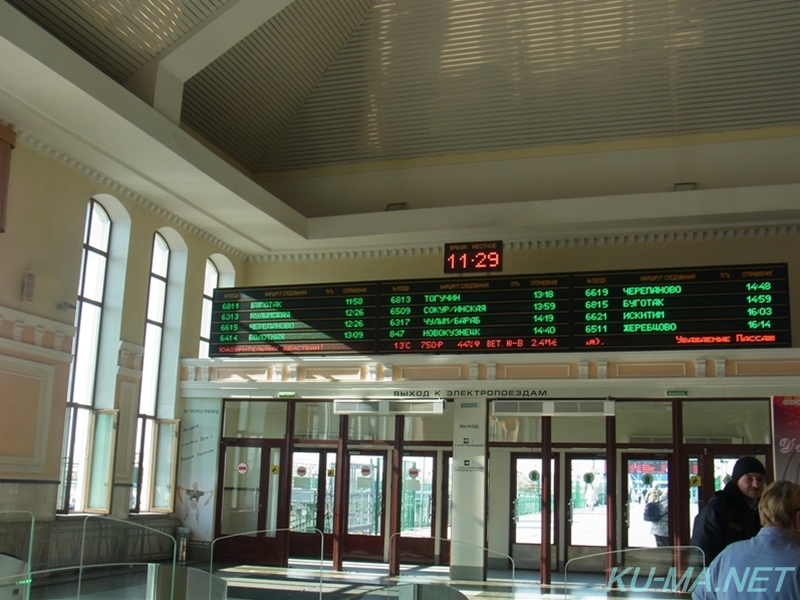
<point>321,319</point>
<point>734,306</point>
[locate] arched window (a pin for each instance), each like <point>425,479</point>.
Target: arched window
<point>90,425</point>
<point>210,283</point>
<point>219,273</point>
<point>157,429</point>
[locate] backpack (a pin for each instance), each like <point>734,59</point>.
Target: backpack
<point>652,512</point>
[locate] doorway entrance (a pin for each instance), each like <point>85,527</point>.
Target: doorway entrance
<point>587,524</point>
<point>312,501</point>
<point>365,534</point>
<point>526,511</point>
<point>248,507</point>
<point>647,481</point>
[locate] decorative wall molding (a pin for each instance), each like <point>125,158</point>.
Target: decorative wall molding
<point>44,375</point>
<point>120,189</point>
<point>29,334</point>
<point>655,237</point>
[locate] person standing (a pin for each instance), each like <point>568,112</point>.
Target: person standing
<point>660,527</point>
<point>731,514</point>
<point>766,566</point>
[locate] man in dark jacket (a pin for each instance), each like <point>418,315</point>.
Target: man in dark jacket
<point>731,515</point>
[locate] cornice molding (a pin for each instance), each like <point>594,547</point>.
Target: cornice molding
<point>653,237</point>
<point>662,237</point>
<point>122,190</point>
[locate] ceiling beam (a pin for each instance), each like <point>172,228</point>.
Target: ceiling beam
<point>160,82</point>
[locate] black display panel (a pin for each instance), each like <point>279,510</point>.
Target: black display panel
<point>311,319</point>
<point>495,314</point>
<point>742,306</point>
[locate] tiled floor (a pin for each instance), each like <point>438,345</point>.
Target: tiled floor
<point>305,581</point>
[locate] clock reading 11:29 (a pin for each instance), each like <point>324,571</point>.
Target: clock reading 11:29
<point>473,257</point>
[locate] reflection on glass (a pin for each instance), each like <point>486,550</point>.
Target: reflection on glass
<point>315,421</point>
<point>527,507</point>
<point>648,481</point>
<point>240,491</point>
<point>254,419</point>
<point>416,509</point>
<point>515,429</point>
<point>366,494</point>
<point>728,422</point>
<point>588,501</point>
<point>430,427</point>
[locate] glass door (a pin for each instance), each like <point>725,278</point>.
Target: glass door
<point>424,508</point>
<point>587,531</point>
<point>647,483</point>
<point>247,510</point>
<point>311,503</point>
<point>365,497</point>
<point>526,511</point>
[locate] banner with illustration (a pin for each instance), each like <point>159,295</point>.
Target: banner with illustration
<point>786,436</point>
<point>197,468</point>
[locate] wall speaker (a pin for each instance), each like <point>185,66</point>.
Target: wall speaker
<point>27,286</point>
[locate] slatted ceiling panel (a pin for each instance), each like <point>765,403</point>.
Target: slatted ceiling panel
<point>118,36</point>
<point>432,78</point>
<point>244,99</point>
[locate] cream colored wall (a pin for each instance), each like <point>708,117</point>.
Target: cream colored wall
<point>44,230</point>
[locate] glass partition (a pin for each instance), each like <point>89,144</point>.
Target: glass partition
<point>255,419</point>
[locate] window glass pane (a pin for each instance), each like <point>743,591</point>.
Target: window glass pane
<point>315,420</point>
<point>147,465</point>
<point>150,363</point>
<point>155,300</point>
<point>211,279</point>
<point>100,228</point>
<point>94,276</point>
<point>430,427</point>
<point>137,464</point>
<point>99,496</point>
<point>515,429</point>
<point>160,261</point>
<point>77,491</point>
<point>245,419</point>
<point>644,422</point>
<point>727,422</point>
<point>83,370</point>
<point>165,465</point>
<point>370,427</point>
<point>579,429</point>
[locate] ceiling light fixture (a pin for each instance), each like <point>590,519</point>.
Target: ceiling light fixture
<point>395,206</point>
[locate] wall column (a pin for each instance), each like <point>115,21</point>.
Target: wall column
<point>468,517</point>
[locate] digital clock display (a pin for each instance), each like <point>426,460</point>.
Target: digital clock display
<point>473,257</point>
<point>745,306</point>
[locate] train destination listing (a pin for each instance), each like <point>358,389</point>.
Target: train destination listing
<point>736,306</point>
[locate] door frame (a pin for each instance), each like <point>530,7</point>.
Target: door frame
<point>625,503</point>
<point>548,517</point>
<point>307,544</point>
<point>259,548</point>
<point>364,547</point>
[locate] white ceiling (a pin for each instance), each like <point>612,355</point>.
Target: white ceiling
<point>289,125</point>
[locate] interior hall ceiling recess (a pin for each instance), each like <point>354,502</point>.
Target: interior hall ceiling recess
<point>340,107</point>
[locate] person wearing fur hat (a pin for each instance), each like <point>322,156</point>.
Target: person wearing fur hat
<point>731,514</point>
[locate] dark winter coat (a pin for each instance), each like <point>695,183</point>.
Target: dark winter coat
<point>726,518</point>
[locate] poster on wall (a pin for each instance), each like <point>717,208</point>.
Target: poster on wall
<point>786,437</point>
<point>197,468</point>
